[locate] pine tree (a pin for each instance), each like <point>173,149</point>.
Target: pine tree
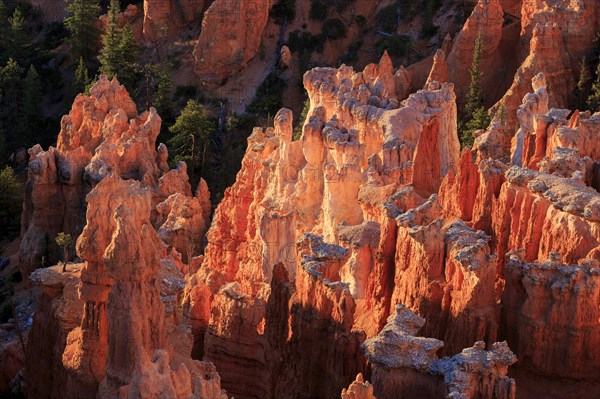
<point>191,136</point>
<point>32,105</point>
<point>119,52</point>
<point>11,200</point>
<point>81,24</point>
<point>11,100</point>
<point>81,78</point>
<point>593,101</point>
<point>3,27</point>
<point>475,116</point>
<point>581,88</point>
<point>16,37</point>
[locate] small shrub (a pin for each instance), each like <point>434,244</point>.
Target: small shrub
<point>318,10</point>
<point>269,95</point>
<point>299,41</point>
<point>283,10</point>
<point>334,29</point>
<point>360,20</point>
<point>387,18</point>
<point>188,91</point>
<point>396,45</point>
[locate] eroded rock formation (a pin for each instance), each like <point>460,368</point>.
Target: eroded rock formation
<point>103,134</point>
<point>164,17</point>
<point>230,37</point>
<point>407,364</point>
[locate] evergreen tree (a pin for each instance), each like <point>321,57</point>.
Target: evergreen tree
<point>581,88</point>
<point>32,105</point>
<point>10,103</point>
<point>475,116</point>
<point>3,25</point>
<point>16,37</point>
<point>81,24</point>
<point>10,204</point>
<point>81,78</point>
<point>593,101</point>
<point>119,52</point>
<point>162,99</point>
<point>191,136</point>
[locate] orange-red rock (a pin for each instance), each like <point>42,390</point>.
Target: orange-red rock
<point>103,134</point>
<point>165,17</point>
<point>230,37</point>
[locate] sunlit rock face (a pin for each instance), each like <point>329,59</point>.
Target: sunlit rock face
<point>103,135</point>
<point>230,37</point>
<point>109,327</point>
<point>319,238</point>
<point>103,329</point>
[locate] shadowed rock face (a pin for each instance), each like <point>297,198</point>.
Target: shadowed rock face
<point>406,363</point>
<point>164,17</point>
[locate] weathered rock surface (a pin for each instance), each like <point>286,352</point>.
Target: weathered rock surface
<point>406,365</point>
<point>164,17</point>
<point>109,337</point>
<point>110,327</point>
<point>103,134</point>
<point>485,20</point>
<point>359,389</point>
<point>230,37</point>
<point>557,305</point>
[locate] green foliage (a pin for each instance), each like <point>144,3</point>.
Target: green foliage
<point>81,78</point>
<point>581,90</point>
<point>158,86</point>
<point>318,10</point>
<point>63,239</point>
<point>269,96</point>
<point>396,45</point>
<point>119,51</point>
<point>334,29</point>
<point>300,41</point>
<point>301,120</point>
<point>191,133</point>
<point>11,100</point>
<point>283,10</point>
<point>81,24</point>
<point>480,119</point>
<point>474,115</point>
<point>387,18</point>
<point>351,55</point>
<point>32,104</point>
<point>11,198</point>
<point>17,39</point>
<point>593,100</point>
<point>475,98</point>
